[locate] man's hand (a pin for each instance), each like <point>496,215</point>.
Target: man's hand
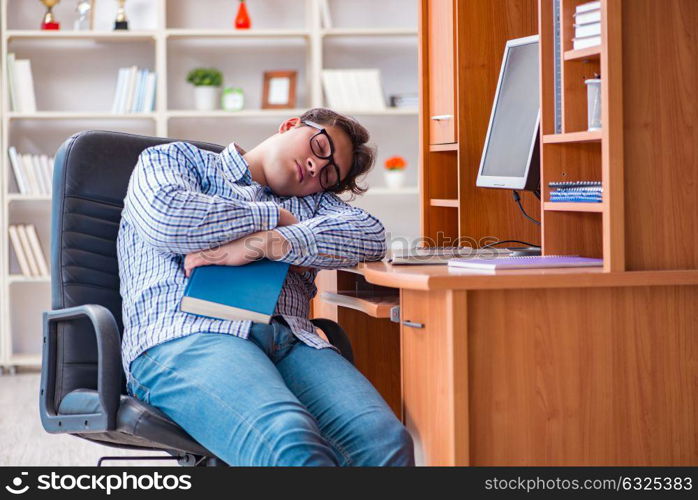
<point>286,218</point>
<point>270,244</point>
<point>235,253</point>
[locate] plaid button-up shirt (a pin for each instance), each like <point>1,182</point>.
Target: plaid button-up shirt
<point>183,199</point>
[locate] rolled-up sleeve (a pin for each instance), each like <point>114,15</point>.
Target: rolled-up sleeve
<point>170,212</point>
<point>340,236</point>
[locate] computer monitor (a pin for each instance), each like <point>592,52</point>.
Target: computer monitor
<point>511,155</point>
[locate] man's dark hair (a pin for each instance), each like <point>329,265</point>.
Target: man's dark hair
<point>363,155</point>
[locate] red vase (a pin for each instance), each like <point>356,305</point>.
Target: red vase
<point>242,19</point>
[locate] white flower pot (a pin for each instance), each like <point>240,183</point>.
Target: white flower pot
<point>206,98</point>
<point>394,179</point>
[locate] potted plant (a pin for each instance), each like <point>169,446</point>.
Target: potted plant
<point>207,82</point>
<point>395,172</point>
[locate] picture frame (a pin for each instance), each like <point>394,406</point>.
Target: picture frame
<point>279,90</point>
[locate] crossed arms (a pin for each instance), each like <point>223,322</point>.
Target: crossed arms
<point>172,214</point>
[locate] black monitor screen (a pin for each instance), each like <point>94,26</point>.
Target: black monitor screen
<point>515,117</point>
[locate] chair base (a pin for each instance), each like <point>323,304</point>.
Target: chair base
<point>183,459</point>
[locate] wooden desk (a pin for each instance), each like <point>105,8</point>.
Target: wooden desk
<point>545,367</point>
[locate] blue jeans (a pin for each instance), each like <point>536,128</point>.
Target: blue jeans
<point>270,400</point>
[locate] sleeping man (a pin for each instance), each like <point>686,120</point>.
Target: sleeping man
<point>254,393</point>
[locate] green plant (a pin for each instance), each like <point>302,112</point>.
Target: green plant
<point>205,76</point>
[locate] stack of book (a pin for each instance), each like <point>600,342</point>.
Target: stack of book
<point>21,84</point>
<point>587,25</point>
<point>27,247</point>
<point>135,91</point>
<point>353,89</point>
<point>579,191</point>
<point>33,173</point>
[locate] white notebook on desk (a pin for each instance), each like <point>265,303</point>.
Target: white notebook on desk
<point>526,262</point>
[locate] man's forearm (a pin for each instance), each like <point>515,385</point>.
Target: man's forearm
<point>275,245</point>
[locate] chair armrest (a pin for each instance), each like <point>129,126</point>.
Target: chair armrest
<point>108,371</point>
<point>336,335</point>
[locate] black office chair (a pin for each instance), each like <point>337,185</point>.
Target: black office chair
<point>83,389</point>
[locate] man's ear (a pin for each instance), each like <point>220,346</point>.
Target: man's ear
<point>289,124</point>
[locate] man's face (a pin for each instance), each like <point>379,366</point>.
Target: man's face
<point>292,169</point>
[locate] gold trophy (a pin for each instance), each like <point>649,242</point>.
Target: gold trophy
<point>121,23</point>
<point>49,22</point>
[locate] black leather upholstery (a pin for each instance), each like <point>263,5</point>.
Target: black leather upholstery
<point>91,176</point>
<point>137,423</point>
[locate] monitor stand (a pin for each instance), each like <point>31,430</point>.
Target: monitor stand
<point>524,251</point>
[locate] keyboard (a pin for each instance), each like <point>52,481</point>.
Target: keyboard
<point>441,255</point>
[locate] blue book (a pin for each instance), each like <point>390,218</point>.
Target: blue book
<point>248,292</point>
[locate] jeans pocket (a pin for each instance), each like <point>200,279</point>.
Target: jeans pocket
<point>138,391</point>
<point>135,388</point>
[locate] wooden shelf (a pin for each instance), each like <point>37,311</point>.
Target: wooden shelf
<point>369,32</point>
<point>376,307</point>
<point>25,359</point>
<point>97,36</point>
<point>28,197</point>
<point>586,136</point>
<point>19,278</point>
<point>553,206</point>
<point>230,33</point>
<point>409,190</point>
<point>590,54</point>
<point>434,202</point>
<point>436,148</point>
<point>256,113</point>
<point>78,115</point>
<point>380,112</point>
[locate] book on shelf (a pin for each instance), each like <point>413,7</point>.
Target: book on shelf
<point>248,292</point>
<point>20,84</point>
<point>574,184</point>
<point>588,7</point>
<point>19,251</point>
<point>30,256</point>
<point>587,19</point>
<point>12,91</point>
<point>325,16</point>
<point>586,42</point>
<point>36,249</point>
<point>587,30</point>
<point>576,191</point>
<point>134,91</point>
<point>20,177</point>
<point>353,89</point>
<point>33,173</point>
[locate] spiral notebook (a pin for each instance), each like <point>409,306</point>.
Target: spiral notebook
<point>526,262</point>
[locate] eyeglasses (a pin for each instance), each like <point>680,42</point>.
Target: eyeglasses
<point>322,147</point>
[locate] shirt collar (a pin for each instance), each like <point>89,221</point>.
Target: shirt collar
<point>235,165</point>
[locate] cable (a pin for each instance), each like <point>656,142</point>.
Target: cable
<point>510,241</point>
<point>517,199</point>
<point>536,193</point>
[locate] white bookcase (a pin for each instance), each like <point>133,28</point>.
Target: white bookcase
<point>75,78</point>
